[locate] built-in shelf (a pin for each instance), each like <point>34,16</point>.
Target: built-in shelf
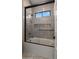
<point>42,24</point>
<point>46,30</point>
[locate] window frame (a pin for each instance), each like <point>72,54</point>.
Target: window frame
<point>42,13</point>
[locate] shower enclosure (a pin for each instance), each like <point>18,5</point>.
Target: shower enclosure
<point>39,29</point>
<point>39,24</point>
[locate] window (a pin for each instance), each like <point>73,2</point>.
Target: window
<point>39,14</point>
<point>46,13</point>
<point>43,14</point>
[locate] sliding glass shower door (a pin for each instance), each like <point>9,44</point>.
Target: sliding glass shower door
<point>40,25</point>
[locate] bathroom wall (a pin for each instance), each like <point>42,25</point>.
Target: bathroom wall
<point>24,4</point>
<point>55,21</point>
<point>33,48</point>
<point>32,21</point>
<point>43,20</point>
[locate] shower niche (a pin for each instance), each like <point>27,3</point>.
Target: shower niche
<point>40,25</point>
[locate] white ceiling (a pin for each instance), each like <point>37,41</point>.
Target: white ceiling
<point>33,2</point>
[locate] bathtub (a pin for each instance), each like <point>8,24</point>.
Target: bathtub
<point>39,50</point>
<point>44,41</point>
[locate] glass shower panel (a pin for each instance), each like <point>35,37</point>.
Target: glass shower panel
<point>39,29</point>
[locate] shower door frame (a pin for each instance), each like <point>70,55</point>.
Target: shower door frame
<point>25,21</point>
